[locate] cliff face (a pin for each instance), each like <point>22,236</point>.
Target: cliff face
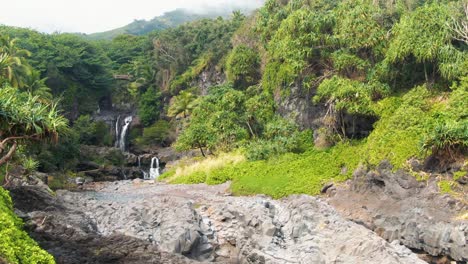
<point>297,105</point>
<point>207,78</point>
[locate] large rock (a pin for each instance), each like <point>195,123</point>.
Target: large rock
<point>297,106</point>
<point>144,222</point>
<point>397,207</point>
<point>71,235</point>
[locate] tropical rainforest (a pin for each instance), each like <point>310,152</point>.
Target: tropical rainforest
<point>298,94</point>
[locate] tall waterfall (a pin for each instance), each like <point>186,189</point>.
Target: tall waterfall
<point>117,132</point>
<point>122,134</point>
<point>154,170</point>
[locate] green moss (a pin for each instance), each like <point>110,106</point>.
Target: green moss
<point>15,244</point>
<point>445,186</point>
<point>459,174</point>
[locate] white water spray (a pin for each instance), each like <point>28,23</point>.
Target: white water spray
<point>123,133</point>
<point>145,174</point>
<point>154,170</point>
<point>117,132</point>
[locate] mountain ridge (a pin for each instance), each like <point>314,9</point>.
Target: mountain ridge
<point>167,20</point>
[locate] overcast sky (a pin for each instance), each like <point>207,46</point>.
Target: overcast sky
<point>90,16</point>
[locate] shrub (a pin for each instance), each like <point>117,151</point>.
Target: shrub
<point>242,67</point>
<point>92,133</point>
<point>448,139</point>
<point>279,137</point>
<point>15,245</point>
<point>30,164</point>
<point>157,134</point>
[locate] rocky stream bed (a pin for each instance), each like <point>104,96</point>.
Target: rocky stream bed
<point>145,222</point>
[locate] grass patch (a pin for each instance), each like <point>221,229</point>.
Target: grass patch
<point>459,174</point>
<point>445,186</point>
<point>277,177</point>
<point>15,244</point>
<point>202,170</point>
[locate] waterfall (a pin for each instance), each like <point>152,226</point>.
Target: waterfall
<point>117,132</point>
<point>154,170</point>
<point>145,174</point>
<point>123,133</point>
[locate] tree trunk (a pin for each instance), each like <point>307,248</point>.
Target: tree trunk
<point>10,153</point>
<point>201,149</point>
<point>343,126</point>
<point>250,128</point>
<point>425,73</point>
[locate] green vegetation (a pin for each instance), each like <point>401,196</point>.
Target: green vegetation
<point>25,118</point>
<point>386,79</point>
<point>157,134</point>
<point>92,133</point>
<point>242,66</point>
<point>410,81</point>
<point>277,177</point>
<point>15,245</point>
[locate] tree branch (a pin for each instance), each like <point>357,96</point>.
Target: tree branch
<point>10,153</point>
<point>2,144</point>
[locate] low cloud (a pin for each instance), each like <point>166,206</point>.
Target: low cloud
<point>90,16</point>
<point>224,6</point>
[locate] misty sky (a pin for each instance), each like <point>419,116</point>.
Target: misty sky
<point>90,16</point>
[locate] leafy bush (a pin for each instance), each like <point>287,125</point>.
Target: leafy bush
<point>15,245</point>
<point>449,139</point>
<point>30,164</point>
<point>242,67</point>
<point>352,96</point>
<point>149,106</point>
<point>157,134</point>
<point>92,133</point>
<point>279,137</point>
<point>217,122</point>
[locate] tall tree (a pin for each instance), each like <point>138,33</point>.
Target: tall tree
<point>13,67</point>
<point>23,118</point>
<point>182,104</point>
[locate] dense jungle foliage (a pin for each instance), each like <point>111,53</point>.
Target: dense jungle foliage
<point>388,80</point>
<point>398,67</point>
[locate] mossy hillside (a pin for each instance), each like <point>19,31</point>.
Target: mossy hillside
<point>15,244</point>
<point>405,121</point>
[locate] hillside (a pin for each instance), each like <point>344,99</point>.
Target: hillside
<point>142,27</point>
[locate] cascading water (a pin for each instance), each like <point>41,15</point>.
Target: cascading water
<point>117,132</point>
<point>120,143</point>
<point>145,174</point>
<point>154,170</point>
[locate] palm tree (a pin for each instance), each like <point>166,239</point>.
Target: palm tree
<point>37,86</point>
<point>13,66</point>
<point>23,117</point>
<point>183,104</point>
